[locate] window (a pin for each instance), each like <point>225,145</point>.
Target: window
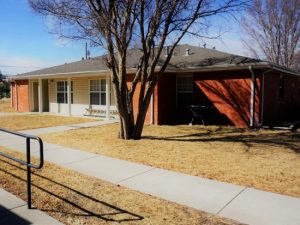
<point>62,91</point>
<point>184,87</point>
<point>281,86</point>
<point>98,92</point>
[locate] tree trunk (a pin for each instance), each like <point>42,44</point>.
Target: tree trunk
<point>126,125</point>
<point>131,128</point>
<point>139,124</point>
<point>140,120</point>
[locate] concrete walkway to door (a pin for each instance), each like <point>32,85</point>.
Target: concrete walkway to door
<point>244,204</point>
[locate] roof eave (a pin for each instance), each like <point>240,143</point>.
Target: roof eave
<point>226,67</point>
<point>222,67</point>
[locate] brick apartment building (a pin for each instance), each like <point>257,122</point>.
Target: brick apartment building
<point>227,89</point>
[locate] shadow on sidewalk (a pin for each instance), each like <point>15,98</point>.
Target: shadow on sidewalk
<point>78,202</point>
<point>8,217</point>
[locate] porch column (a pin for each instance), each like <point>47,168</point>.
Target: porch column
<point>107,88</point>
<point>40,94</point>
<point>69,95</point>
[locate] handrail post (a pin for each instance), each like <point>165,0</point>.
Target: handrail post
<point>27,163</point>
<point>28,173</point>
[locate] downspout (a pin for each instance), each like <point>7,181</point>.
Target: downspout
<point>252,100</point>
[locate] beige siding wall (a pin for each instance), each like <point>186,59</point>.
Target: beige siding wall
<point>81,95</point>
<point>81,90</point>
<point>52,90</point>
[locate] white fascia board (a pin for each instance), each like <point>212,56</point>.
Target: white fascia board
<point>71,74</point>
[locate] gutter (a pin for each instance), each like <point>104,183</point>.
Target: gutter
<point>63,75</point>
<point>231,68</point>
<point>221,67</point>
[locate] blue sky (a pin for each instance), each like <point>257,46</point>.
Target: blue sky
<point>26,44</point>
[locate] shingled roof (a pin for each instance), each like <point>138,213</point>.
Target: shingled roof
<point>197,59</point>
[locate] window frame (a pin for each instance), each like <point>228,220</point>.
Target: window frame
<point>190,91</point>
<point>100,91</point>
<point>64,91</point>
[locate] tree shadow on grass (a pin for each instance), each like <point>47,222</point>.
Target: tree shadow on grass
<point>117,214</point>
<point>249,138</point>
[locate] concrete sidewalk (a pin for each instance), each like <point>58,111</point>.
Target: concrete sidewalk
<point>247,205</point>
<point>14,211</point>
<point>67,127</point>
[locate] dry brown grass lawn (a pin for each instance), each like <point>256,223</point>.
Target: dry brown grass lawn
<point>76,199</point>
<point>5,105</point>
<point>267,160</point>
<point>24,122</point>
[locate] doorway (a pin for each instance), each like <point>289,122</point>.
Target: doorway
<point>35,91</point>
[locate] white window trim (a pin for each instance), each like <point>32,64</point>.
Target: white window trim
<point>99,92</point>
<point>65,91</point>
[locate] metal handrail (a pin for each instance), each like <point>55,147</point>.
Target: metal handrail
<point>27,163</point>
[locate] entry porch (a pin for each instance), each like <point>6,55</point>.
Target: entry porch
<point>73,96</point>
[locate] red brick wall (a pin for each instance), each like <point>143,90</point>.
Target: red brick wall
<point>230,96</point>
<point>20,97</point>
<point>227,93</point>
<point>13,95</point>
<point>277,109</point>
<point>136,98</point>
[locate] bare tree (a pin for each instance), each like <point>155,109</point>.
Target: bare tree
<point>296,62</point>
<point>273,30</point>
<point>118,25</point>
